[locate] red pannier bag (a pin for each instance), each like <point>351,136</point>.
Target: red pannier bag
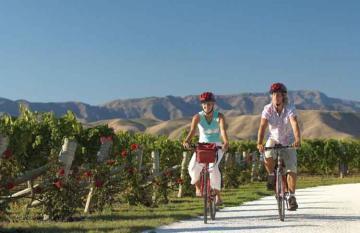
<point>206,152</point>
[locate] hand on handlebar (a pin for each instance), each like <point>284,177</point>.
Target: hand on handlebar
<point>261,148</point>
<point>296,144</point>
<point>225,147</point>
<point>187,145</point>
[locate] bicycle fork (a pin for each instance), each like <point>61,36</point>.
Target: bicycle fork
<point>208,194</point>
<point>208,185</point>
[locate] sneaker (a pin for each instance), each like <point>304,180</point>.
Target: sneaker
<point>219,202</point>
<point>270,182</point>
<point>292,203</point>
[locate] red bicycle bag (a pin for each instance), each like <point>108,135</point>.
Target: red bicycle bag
<point>206,152</point>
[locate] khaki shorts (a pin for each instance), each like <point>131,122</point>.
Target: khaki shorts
<point>289,156</point>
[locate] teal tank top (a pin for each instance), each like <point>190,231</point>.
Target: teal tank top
<point>209,132</point>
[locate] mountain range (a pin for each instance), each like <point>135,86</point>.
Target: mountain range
<point>171,107</point>
<point>319,115</point>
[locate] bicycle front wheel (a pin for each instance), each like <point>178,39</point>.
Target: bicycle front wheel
<point>280,197</point>
<point>212,204</point>
<point>205,195</point>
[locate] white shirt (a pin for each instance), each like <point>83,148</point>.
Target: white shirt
<point>280,129</point>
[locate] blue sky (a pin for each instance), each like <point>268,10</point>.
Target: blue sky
<point>97,51</point>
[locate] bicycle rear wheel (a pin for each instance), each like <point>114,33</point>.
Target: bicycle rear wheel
<point>205,195</point>
<point>212,204</point>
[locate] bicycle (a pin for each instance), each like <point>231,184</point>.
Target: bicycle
<point>281,188</point>
<point>206,153</point>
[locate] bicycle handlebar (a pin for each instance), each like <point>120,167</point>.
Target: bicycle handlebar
<point>278,147</point>
<point>193,146</point>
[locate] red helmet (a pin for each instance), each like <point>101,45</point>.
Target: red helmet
<point>207,97</point>
<point>278,87</point>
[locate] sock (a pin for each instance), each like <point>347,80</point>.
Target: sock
<point>292,194</point>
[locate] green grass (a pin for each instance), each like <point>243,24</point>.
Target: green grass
<point>136,218</point>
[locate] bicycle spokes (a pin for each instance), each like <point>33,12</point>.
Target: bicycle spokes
<point>212,204</point>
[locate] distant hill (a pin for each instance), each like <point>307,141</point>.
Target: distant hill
<point>135,125</point>
<point>313,124</point>
<point>170,107</point>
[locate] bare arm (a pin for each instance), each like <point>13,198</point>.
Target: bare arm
<point>261,132</point>
<point>223,133</point>
<point>295,126</point>
<point>194,123</point>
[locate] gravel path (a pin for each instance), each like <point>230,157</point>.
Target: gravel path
<point>322,209</point>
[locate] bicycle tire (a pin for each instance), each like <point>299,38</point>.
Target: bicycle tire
<point>283,198</point>
<point>280,195</point>
<point>212,203</point>
<point>205,195</point>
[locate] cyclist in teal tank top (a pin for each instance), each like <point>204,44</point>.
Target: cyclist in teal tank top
<point>209,132</point>
<point>211,125</point>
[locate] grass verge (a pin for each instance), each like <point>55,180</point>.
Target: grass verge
<point>124,218</point>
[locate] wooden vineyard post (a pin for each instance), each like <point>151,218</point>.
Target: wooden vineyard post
<point>102,156</point>
<point>67,155</point>
<point>183,172</point>
<point>155,170</point>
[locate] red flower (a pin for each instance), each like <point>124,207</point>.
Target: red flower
<point>110,162</point>
<point>104,138</point>
<point>58,184</point>
<point>61,172</point>
<point>10,185</point>
<point>7,153</point>
<point>98,183</point>
<point>179,181</point>
<point>88,174</point>
<point>124,153</point>
<point>134,146</point>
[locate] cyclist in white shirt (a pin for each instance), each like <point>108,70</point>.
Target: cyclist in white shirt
<point>281,118</point>
<point>211,124</point>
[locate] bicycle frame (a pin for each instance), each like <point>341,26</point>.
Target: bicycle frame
<point>280,181</point>
<point>208,192</point>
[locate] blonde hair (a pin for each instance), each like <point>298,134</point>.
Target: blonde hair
<point>285,98</point>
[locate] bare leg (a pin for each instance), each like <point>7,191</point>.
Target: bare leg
<point>269,165</point>
<point>198,188</point>
<point>291,179</point>
<point>218,195</point>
